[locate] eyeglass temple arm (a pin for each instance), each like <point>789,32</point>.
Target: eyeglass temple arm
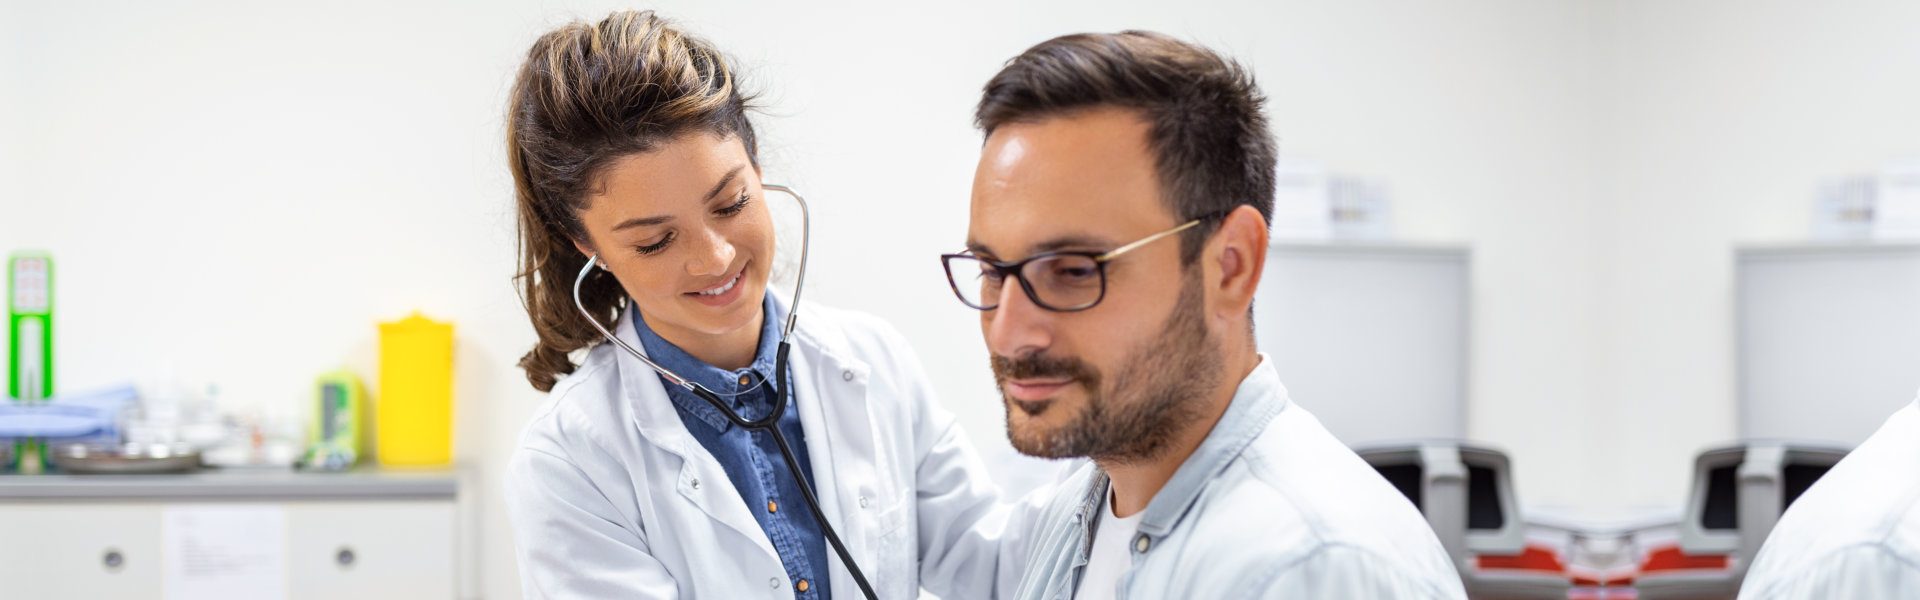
<point>1144,241</point>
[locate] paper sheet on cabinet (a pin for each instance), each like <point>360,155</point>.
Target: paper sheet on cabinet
<point>220,551</point>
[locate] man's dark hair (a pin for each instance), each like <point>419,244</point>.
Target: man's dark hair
<point>1212,151</point>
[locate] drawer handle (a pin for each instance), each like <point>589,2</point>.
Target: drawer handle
<point>113,559</point>
<point>344,557</point>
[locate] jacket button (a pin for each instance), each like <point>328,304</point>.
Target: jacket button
<point>846,375</point>
<point>744,379</point>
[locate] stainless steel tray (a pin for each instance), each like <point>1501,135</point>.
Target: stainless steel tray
<point>125,459</point>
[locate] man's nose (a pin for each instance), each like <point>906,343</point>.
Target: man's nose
<point>1018,327</point>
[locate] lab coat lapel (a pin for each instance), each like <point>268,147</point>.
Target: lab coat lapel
<point>701,480</point>
<point>833,412</point>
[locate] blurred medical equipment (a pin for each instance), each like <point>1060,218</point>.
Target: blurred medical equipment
<point>30,336</point>
<point>334,429</point>
<point>1311,204</point>
<point>125,459</point>
<point>1825,338</point>
<point>413,417</point>
<point>769,422</point>
<point>57,426</point>
<point>1883,205</point>
<point>1334,317</point>
<point>1738,494</point>
<point>1466,493</point>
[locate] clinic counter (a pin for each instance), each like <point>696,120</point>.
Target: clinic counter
<point>245,485</point>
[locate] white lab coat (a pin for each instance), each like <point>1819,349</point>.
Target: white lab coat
<point>1856,533</point>
<point>611,497</point>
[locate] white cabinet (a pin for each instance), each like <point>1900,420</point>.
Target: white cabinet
<point>85,551</point>
<point>395,550</point>
<point>366,536</point>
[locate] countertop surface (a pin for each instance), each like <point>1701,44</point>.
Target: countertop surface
<point>230,485</point>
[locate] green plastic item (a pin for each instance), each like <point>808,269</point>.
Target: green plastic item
<point>339,402</point>
<point>30,327</point>
<point>30,345</point>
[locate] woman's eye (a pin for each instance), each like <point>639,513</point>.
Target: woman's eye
<point>736,207</point>
<point>656,246</point>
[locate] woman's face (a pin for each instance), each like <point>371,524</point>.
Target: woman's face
<point>685,229</point>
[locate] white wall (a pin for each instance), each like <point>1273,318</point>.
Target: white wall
<point>10,95</point>
<point>241,190</point>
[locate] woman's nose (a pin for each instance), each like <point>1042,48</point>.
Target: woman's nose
<point>712,255</point>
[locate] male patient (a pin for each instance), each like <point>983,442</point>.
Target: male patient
<point>1119,227</point>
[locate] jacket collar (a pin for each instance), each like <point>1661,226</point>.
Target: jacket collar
<point>1255,403</point>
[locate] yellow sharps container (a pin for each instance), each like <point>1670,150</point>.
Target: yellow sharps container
<point>413,415</point>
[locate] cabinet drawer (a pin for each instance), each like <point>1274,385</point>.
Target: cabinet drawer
<point>370,550</point>
<point>80,551</point>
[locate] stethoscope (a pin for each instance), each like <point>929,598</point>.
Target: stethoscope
<point>766,423</point>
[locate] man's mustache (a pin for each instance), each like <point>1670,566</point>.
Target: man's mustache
<point>1039,366</point>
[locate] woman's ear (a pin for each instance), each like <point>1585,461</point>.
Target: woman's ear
<point>588,251</point>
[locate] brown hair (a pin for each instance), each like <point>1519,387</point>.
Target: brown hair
<point>1209,139</point>
<point>588,95</point>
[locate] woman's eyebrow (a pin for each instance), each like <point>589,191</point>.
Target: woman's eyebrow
<point>659,219</point>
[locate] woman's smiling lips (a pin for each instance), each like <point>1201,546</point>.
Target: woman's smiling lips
<point>723,293</point>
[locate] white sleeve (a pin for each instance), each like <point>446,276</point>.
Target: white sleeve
<point>570,540</point>
<point>1862,572</point>
<point>1341,572</point>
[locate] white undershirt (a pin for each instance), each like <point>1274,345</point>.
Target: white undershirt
<point>1111,556</point>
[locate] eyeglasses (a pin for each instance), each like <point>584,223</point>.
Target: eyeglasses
<point>1062,281</point>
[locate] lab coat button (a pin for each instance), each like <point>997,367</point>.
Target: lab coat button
<point>846,375</point>
<point>696,483</point>
<point>863,502</point>
<point>1141,546</point>
<point>773,582</point>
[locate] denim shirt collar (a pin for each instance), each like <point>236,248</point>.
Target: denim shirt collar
<point>719,380</point>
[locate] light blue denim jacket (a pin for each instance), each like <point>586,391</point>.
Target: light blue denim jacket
<point>1269,506</point>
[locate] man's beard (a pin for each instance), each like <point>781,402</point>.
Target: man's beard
<point>1151,399</point>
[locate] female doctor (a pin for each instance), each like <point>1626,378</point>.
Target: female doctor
<point>629,142</point>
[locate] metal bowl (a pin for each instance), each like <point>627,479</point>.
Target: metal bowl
<point>126,458</point>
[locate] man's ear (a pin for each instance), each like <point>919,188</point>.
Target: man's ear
<point>1241,253</point>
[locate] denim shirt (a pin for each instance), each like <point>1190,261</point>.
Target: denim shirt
<point>752,459</point>
<point>1269,505</point>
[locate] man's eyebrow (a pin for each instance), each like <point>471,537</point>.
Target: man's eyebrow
<point>1073,242</point>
